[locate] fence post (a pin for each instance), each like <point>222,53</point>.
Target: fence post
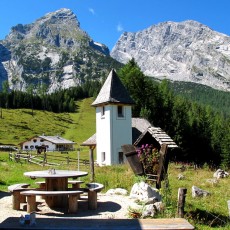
<point>78,159</point>
<point>45,159</point>
<point>228,207</point>
<point>181,202</point>
<point>91,163</point>
<point>67,158</point>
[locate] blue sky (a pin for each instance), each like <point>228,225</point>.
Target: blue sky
<point>106,20</point>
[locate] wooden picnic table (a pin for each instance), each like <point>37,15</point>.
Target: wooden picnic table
<point>56,180</point>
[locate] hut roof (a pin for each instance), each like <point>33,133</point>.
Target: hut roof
<point>159,135</point>
<point>90,142</point>
<point>52,139</point>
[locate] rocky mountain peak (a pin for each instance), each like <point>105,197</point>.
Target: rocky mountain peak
<point>183,51</point>
<point>63,15</point>
<point>53,50</point>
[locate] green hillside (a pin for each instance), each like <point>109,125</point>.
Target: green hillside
<point>17,125</point>
<point>218,100</point>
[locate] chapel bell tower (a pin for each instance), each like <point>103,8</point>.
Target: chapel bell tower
<point>113,120</point>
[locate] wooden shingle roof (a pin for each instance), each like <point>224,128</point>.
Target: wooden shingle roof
<point>90,142</point>
<point>157,133</point>
<point>113,92</point>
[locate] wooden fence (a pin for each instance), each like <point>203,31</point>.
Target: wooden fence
<point>47,159</point>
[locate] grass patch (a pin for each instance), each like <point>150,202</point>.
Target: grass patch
<point>18,125</point>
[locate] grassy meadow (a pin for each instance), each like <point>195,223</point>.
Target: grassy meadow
<point>209,212</point>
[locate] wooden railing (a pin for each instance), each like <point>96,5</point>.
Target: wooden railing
<point>46,159</point>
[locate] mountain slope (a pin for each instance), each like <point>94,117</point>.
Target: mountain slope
<point>53,51</point>
<point>18,125</point>
<point>186,51</point>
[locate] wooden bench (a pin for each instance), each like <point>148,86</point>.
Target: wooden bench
<point>31,198</point>
<point>75,184</point>
<point>92,189</point>
<point>17,199</point>
<point>41,184</point>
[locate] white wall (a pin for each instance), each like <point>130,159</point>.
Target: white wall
<point>112,132</point>
<point>38,143</point>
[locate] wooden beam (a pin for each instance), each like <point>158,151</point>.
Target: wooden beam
<point>91,160</point>
<point>181,202</point>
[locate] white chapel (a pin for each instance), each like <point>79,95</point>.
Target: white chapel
<point>113,120</point>
<point>115,126</point>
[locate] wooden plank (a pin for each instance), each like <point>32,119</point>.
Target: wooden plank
<point>165,139</point>
<point>63,222</point>
<point>174,223</point>
<point>50,193</point>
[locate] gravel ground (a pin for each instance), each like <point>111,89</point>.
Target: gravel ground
<point>109,207</point>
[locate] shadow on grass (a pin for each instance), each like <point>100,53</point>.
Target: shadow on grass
<point>211,219</point>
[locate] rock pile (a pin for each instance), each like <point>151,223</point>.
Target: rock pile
<point>147,199</point>
<point>150,197</point>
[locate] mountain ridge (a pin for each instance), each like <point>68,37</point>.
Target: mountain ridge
<point>184,51</point>
<point>52,51</point>
<point>55,52</point>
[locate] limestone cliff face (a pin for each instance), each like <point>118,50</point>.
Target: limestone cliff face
<point>185,51</point>
<point>53,51</point>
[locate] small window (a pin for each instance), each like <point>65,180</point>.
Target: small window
<point>34,140</point>
<point>120,112</point>
<point>31,147</point>
<point>103,111</point>
<point>26,146</point>
<point>42,140</point>
<point>121,157</point>
<point>102,157</point>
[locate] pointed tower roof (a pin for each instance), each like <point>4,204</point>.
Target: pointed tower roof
<point>113,92</point>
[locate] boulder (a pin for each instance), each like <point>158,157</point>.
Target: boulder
<point>212,181</point>
<point>148,211</point>
<point>152,209</point>
<point>197,192</point>
<point>180,177</point>
<point>143,192</point>
<point>220,174</point>
<point>151,200</point>
<point>159,206</point>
